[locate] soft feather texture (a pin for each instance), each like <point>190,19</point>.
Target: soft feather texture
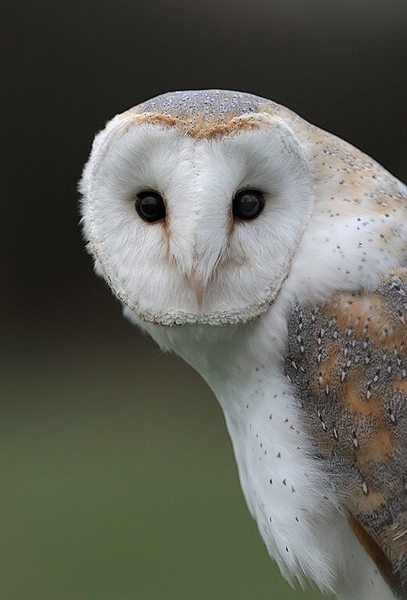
<point>148,267</point>
<point>334,220</point>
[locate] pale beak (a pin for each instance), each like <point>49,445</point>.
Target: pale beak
<point>199,286</point>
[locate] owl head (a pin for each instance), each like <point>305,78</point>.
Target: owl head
<point>188,204</point>
<point>198,205</point>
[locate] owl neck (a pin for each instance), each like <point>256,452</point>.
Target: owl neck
<point>230,358</point>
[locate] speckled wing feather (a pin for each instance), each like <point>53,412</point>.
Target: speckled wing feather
<point>348,361</point>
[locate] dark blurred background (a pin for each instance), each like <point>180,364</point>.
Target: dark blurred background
<point>117,479</point>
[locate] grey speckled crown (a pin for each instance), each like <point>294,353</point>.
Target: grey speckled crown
<point>208,103</point>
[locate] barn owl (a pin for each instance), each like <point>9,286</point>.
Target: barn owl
<point>271,256</point>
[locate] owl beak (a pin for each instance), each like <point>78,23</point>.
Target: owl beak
<point>199,286</point>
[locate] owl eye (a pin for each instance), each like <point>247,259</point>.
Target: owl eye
<point>247,205</point>
<point>150,206</point>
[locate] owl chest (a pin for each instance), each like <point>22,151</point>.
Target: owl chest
<point>281,481</point>
<point>280,478</point>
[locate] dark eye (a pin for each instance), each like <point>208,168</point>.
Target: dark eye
<point>150,206</point>
<point>247,205</point>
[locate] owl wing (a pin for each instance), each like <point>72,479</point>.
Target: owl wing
<point>348,361</point>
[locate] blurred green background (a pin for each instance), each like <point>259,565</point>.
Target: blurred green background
<point>117,479</point>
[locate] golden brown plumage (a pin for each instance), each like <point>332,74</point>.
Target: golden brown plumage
<point>348,359</point>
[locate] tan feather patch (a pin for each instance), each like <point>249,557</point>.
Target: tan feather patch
<point>348,361</point>
<point>196,126</point>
